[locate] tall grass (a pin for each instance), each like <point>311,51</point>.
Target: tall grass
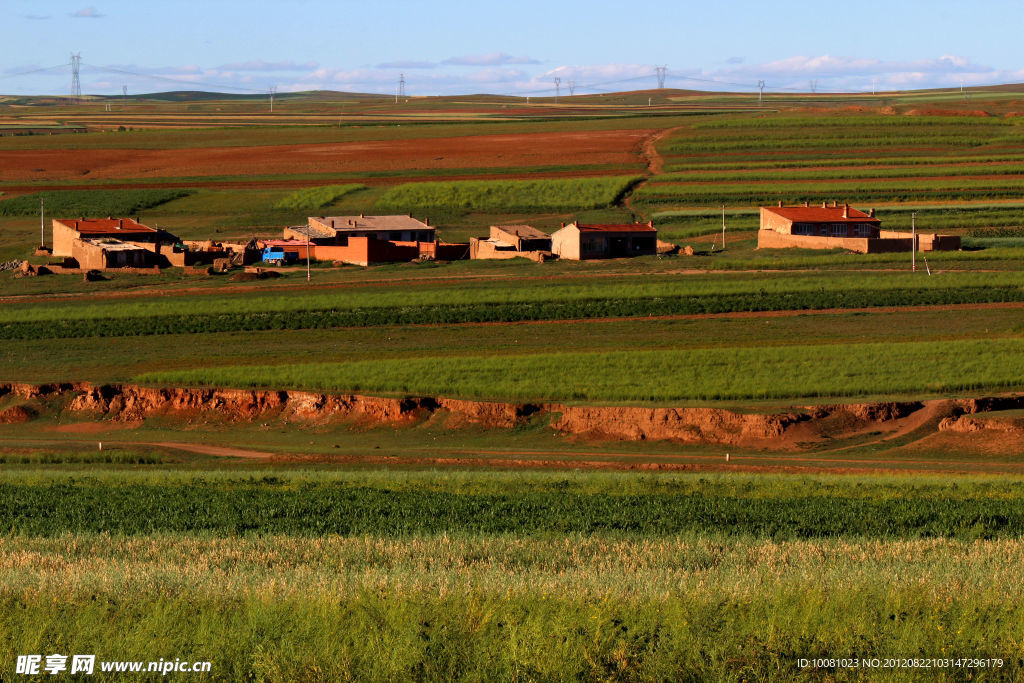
<point>312,198</point>
<point>508,195</point>
<point>485,608</point>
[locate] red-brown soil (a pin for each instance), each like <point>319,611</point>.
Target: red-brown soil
<point>481,151</point>
<point>790,431</point>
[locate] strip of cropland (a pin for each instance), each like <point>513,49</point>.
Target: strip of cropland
<point>459,575</point>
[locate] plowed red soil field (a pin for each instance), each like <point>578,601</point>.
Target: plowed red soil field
<point>483,151</point>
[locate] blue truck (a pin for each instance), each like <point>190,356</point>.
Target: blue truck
<point>278,256</point>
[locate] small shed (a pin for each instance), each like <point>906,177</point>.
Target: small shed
<point>579,241</point>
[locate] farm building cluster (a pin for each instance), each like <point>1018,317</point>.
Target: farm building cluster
<point>100,244</point>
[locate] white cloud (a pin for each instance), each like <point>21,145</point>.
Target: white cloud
<point>87,13</point>
<point>489,59</point>
<point>260,65</point>
<point>406,64</point>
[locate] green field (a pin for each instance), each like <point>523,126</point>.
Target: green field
<point>436,546</point>
<point>462,579</point>
<point>508,195</point>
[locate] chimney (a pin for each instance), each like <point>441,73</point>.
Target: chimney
<point>846,210</point>
<point>650,223</point>
<point>362,216</point>
<point>120,223</point>
<point>563,224</point>
<point>410,214</point>
<point>426,222</point>
<point>780,203</point>
<point>835,204</point>
<point>109,217</point>
<point>824,205</point>
<point>806,203</point>
<point>872,212</point>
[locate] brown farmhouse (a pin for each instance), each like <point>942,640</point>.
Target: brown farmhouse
<point>610,240</point>
<point>842,227</point>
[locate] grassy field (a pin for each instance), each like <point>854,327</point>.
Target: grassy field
<point>793,371</point>
<point>461,601</point>
<point>512,195</point>
<point>286,549</point>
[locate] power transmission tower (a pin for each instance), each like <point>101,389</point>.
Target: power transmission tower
<point>124,92</point>
<point>760,90</point>
<point>558,82</point>
<point>661,71</point>
<point>814,85</point>
<point>401,87</point>
<point>76,85</point>
<point>572,88</point>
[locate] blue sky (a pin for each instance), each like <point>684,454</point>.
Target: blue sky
<point>458,47</point>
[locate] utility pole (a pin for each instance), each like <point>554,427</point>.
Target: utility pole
<point>873,80</point>
<point>307,252</point>
<point>42,238</point>
<point>760,90</point>
<point>76,84</point>
<point>660,71</point>
<point>913,240</point>
<point>723,227</point>
<point>558,82</point>
<point>272,89</point>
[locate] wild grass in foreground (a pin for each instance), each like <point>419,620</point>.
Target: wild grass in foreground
<point>796,371</point>
<point>483,607</point>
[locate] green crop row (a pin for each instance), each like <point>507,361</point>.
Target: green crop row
<point>89,203</point>
<point>313,510</point>
<point>916,171</point>
<point>536,291</point>
<point>951,140</point>
<point>847,123</point>
<point>312,198</point>
<point>508,195</point>
<point>882,190</point>
<point>440,313</point>
<point>794,371</point>
<point>869,158</point>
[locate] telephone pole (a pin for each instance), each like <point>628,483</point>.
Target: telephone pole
<point>913,241</point>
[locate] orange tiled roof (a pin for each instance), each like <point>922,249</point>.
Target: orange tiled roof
<point>821,214</point>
